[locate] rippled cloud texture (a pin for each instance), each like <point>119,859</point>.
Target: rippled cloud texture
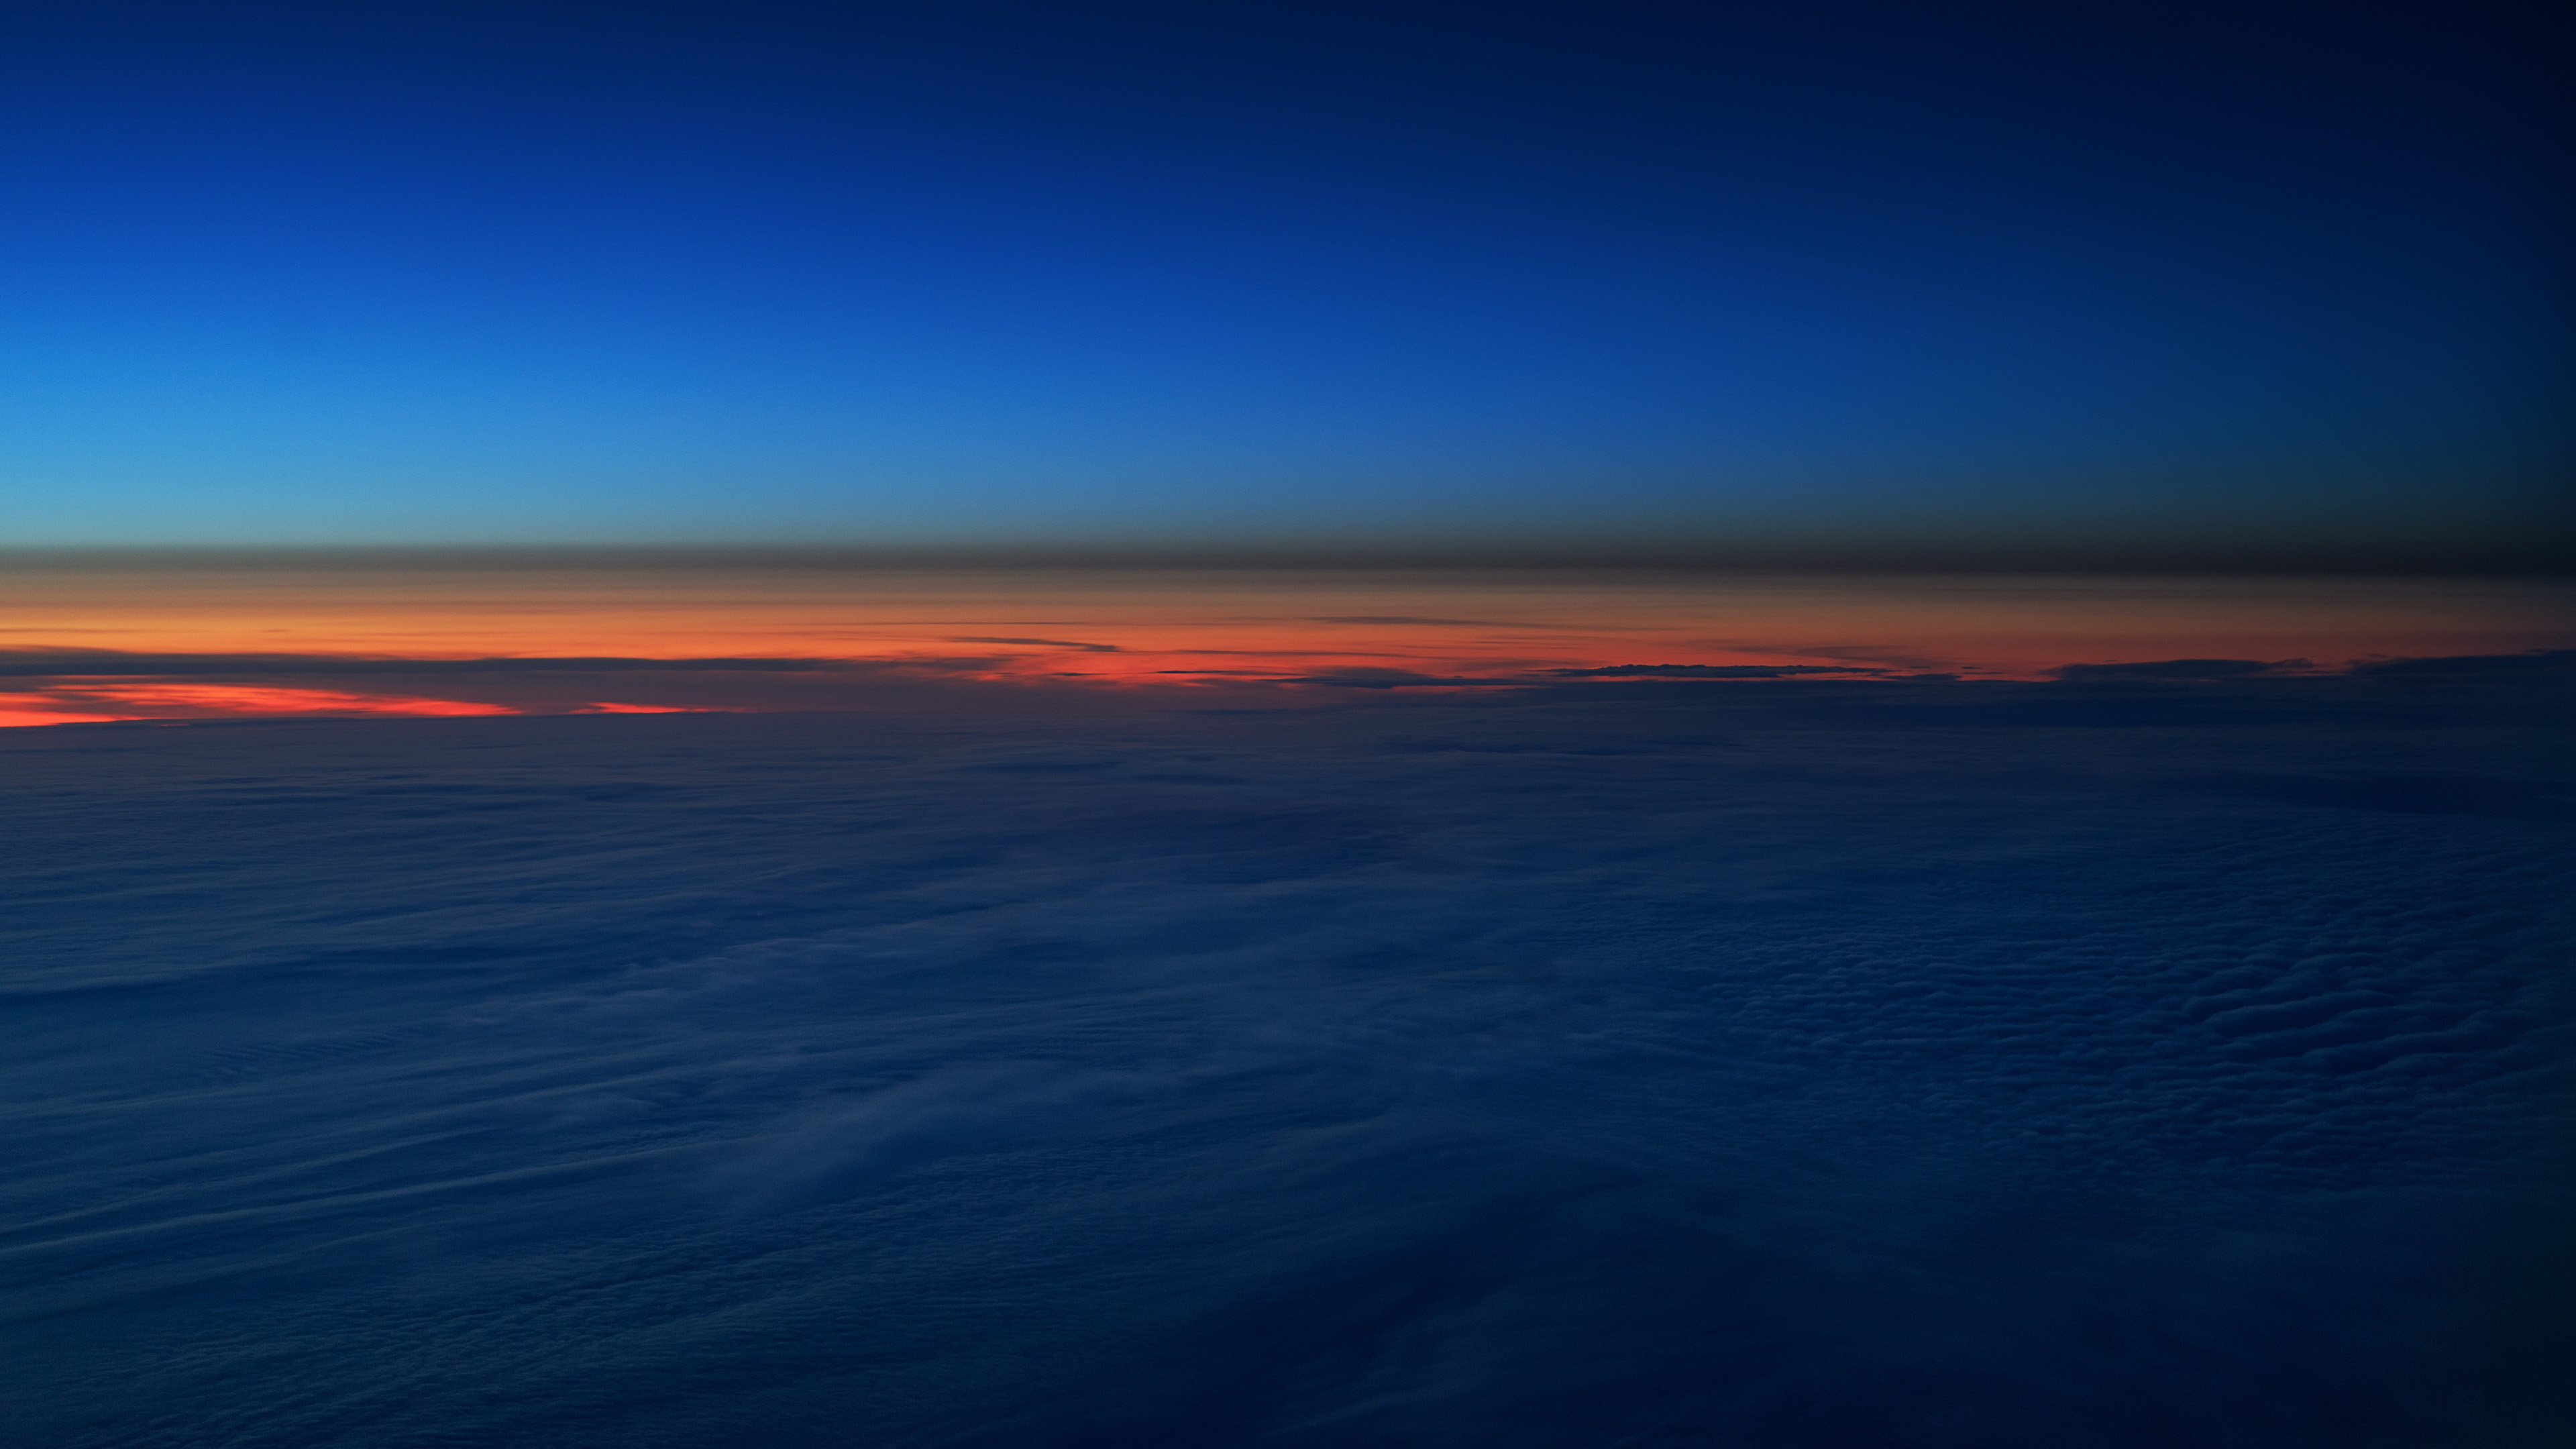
<point>2125,1062</point>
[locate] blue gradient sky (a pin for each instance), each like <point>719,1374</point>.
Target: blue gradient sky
<point>1333,274</point>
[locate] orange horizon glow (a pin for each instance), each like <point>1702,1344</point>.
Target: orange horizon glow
<point>15,718</point>
<point>1173,629</point>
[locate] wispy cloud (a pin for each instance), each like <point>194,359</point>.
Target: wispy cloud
<point>1418,621</point>
<point>1892,656</point>
<point>1033,643</point>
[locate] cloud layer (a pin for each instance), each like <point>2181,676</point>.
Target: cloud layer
<point>1665,1062</point>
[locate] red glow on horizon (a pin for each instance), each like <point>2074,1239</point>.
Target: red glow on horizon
<point>74,704</point>
<point>1302,633</point>
<point>15,718</point>
<point>209,700</point>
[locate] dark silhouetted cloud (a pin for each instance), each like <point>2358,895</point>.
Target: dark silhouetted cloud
<point>1703,671</point>
<point>2179,669</point>
<point>1366,676</point>
<point>2536,660</point>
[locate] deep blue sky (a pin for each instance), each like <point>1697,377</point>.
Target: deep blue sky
<point>1136,272</point>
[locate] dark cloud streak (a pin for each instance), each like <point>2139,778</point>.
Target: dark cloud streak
<point>2533,661</point>
<point>101,663</point>
<point>1706,671</point>
<point>1035,643</point>
<point>2179,669</point>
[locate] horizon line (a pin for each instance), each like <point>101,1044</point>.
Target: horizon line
<point>2547,557</point>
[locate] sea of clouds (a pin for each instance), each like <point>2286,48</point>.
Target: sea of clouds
<point>2114,1062</point>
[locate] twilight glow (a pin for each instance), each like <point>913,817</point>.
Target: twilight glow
<point>102,642</point>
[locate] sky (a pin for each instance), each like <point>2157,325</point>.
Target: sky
<point>2239,284</point>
